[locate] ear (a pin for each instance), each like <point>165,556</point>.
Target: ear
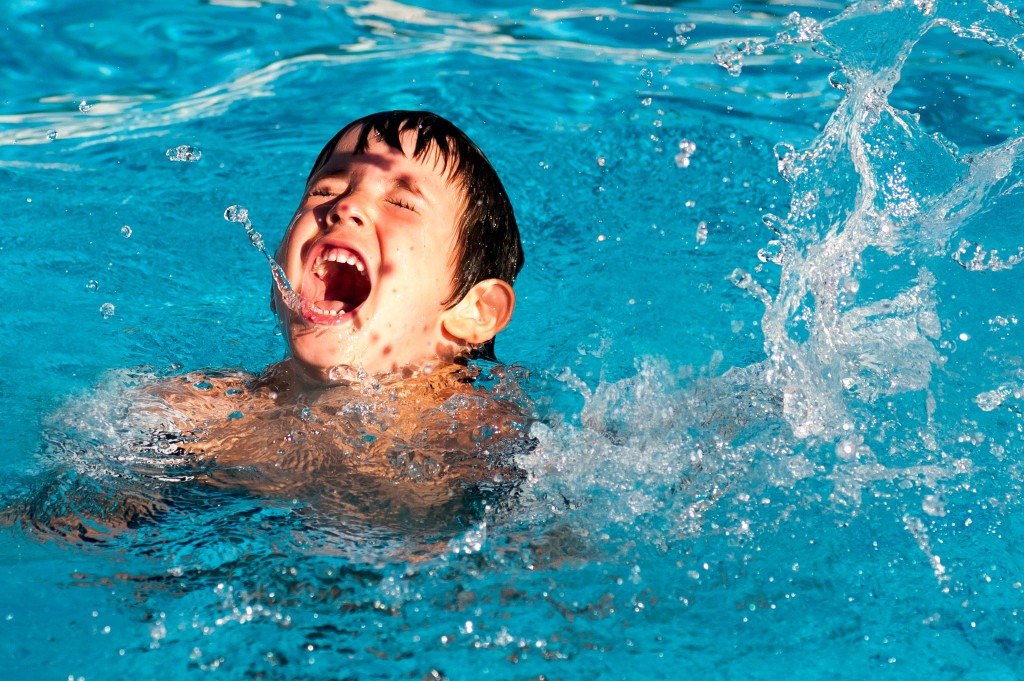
<point>484,311</point>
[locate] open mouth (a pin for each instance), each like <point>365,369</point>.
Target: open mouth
<point>337,284</point>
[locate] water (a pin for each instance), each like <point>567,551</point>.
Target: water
<point>778,387</point>
<point>241,215</point>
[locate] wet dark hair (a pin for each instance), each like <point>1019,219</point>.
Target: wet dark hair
<point>487,242</point>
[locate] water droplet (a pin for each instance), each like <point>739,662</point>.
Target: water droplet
<point>185,154</point>
<point>702,232</point>
<point>730,57</point>
<point>51,135</point>
<point>126,231</point>
<point>772,222</point>
<point>600,160</point>
<point>746,282</point>
<point>236,214</point>
<point>346,374</point>
<point>987,401</point>
<point>107,310</point>
<point>308,416</point>
<point>646,101</point>
<point>932,504</point>
<point>736,8</point>
<point>84,106</point>
<point>686,149</point>
<point>838,80</point>
<point>684,27</point>
<point>93,285</point>
<point>771,253</point>
<point>235,415</point>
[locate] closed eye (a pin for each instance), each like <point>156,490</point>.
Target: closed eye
<point>321,191</point>
<point>394,201</point>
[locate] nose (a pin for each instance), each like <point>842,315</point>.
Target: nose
<point>349,209</point>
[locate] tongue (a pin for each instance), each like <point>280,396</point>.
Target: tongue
<point>344,287</point>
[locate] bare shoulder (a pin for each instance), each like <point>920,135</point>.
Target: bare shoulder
<point>199,398</point>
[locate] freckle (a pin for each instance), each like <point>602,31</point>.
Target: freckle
<point>386,351</point>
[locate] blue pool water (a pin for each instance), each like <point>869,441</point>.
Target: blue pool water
<point>778,377</point>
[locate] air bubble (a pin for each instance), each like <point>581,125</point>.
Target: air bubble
<point>84,106</point>
<point>185,154</point>
<point>51,135</point>
<point>126,231</point>
<point>107,310</point>
<point>600,160</point>
<point>737,8</point>
<point>93,285</point>
<point>686,149</point>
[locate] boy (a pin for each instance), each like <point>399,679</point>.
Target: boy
<point>403,251</point>
<point>400,261</point>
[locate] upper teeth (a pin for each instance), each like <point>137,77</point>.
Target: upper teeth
<point>338,256</point>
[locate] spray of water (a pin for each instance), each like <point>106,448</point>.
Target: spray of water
<point>240,215</point>
<point>855,401</point>
<point>874,191</point>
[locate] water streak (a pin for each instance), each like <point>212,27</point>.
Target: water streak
<point>240,215</point>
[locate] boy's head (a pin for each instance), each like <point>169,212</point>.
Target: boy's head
<point>403,250</point>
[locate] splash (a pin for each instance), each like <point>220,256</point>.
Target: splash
<point>240,215</point>
<point>184,154</point>
<point>856,403</point>
<point>876,192</point>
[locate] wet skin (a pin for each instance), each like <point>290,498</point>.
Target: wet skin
<point>369,251</point>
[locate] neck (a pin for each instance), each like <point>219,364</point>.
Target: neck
<point>290,379</point>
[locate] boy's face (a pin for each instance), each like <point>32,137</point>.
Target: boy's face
<point>368,252</point>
